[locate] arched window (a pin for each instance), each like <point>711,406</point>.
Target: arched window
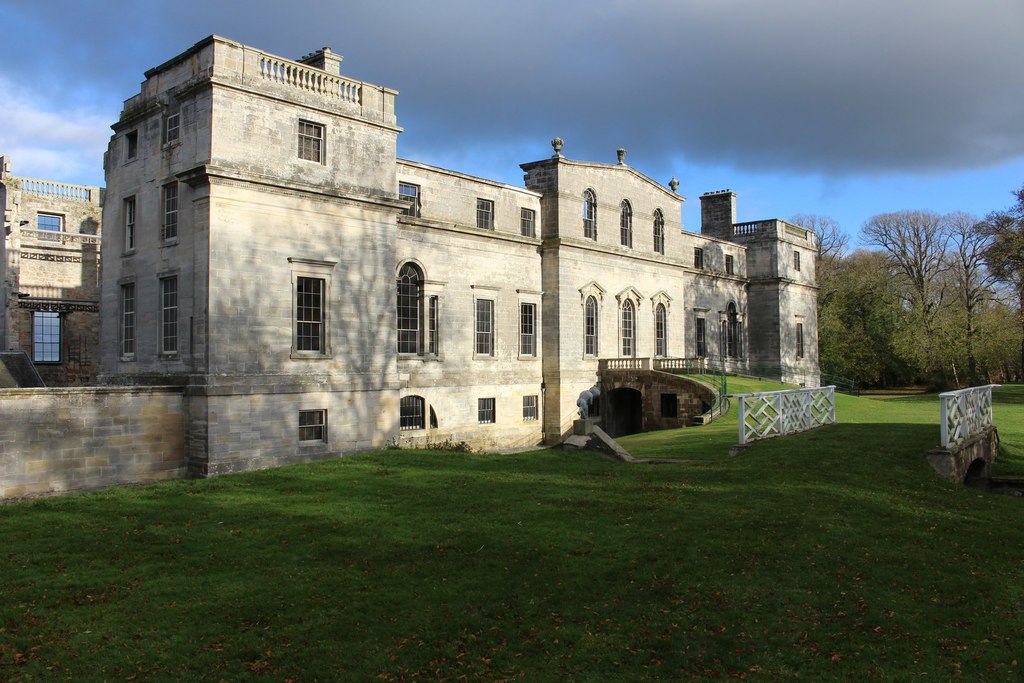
<point>411,413</point>
<point>590,215</point>
<point>410,309</point>
<point>590,327</point>
<point>659,231</point>
<point>626,224</point>
<point>628,329</point>
<point>660,331</point>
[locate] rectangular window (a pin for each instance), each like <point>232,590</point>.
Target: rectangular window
<point>128,319</point>
<point>796,260</point>
<point>129,224</point>
<point>169,315</point>
<point>432,304</point>
<point>669,405</point>
<point>131,145</point>
<point>50,223</point>
<point>485,411</point>
<point>46,337</point>
<point>729,267</point>
<point>172,127</point>
<point>529,408</point>
<point>311,141</point>
<point>485,214</point>
<point>701,331</point>
<point>313,426</point>
<point>527,329</point>
<point>698,258</point>
<point>799,340</point>
<point>169,229</point>
<point>484,327</point>
<point>527,222</point>
<point>309,314</point>
<point>411,194</point>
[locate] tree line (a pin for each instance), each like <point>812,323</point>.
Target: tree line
<point>928,299</point>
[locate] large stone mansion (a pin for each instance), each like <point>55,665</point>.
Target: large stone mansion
<point>266,250</point>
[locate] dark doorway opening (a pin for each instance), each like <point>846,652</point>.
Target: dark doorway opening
<point>624,412</point>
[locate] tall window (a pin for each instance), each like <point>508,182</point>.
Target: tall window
<point>698,258</point>
<point>311,141</point>
<point>796,260</point>
<point>628,329</point>
<point>410,296</point>
<point>799,340</point>
<point>659,231</point>
<point>701,337</point>
<point>432,313</point>
<point>131,145</point>
<point>527,222</point>
<point>411,413</point>
<point>590,215</point>
<point>485,410</point>
<point>529,408</point>
<point>50,223</point>
<point>46,337</point>
<point>485,214</point>
<point>129,224</point>
<point>313,425</point>
<point>527,329</point>
<point>732,332</point>
<point>128,319</point>
<point>590,327</point>
<point>626,224</point>
<point>730,268</point>
<point>411,194</point>
<point>660,331</point>
<point>310,318</point>
<point>172,127</point>
<point>169,315</point>
<point>170,226</point>
<point>484,327</point>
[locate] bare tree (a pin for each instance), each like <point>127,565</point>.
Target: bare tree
<point>914,243</point>
<point>832,241</point>
<point>968,275</point>
<point>1005,252</point>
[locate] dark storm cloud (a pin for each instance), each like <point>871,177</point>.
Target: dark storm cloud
<point>791,85</point>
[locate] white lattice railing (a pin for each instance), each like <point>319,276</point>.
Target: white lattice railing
<point>965,413</point>
<point>777,413</point>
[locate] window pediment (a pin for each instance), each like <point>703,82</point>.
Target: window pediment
<point>631,294</point>
<point>591,289</point>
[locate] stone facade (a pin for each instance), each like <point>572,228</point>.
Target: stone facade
<point>50,270</point>
<point>312,293</point>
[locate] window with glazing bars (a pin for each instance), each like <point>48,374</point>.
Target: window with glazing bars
<point>128,319</point>
<point>626,224</point>
<point>409,313</point>
<point>590,327</point>
<point>628,329</point>
<point>169,315</point>
<point>484,327</point>
<point>485,214</point>
<point>527,330</point>
<point>660,331</point>
<point>529,407</point>
<point>411,194</point>
<point>527,222</point>
<point>799,340</point>
<point>309,314</point>
<point>659,231</point>
<point>311,141</point>
<point>46,337</point>
<point>590,215</point>
<point>170,226</point>
<point>411,413</point>
<point>485,410</point>
<point>129,223</point>
<point>313,425</point>
<point>701,335</point>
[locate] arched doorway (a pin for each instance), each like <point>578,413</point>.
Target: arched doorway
<point>622,412</point>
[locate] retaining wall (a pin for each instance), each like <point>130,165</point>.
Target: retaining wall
<point>57,440</point>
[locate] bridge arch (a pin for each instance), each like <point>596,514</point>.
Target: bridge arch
<point>623,411</point>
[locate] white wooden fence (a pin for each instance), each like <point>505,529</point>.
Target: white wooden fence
<point>776,413</point>
<point>965,413</point>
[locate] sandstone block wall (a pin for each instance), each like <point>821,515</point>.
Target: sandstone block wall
<point>58,440</point>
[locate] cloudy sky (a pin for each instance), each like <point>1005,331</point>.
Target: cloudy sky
<point>845,108</point>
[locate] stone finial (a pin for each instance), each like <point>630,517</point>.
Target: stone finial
<point>621,153</point>
<point>673,184</point>
<point>557,144</point>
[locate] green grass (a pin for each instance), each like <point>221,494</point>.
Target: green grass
<point>834,554</point>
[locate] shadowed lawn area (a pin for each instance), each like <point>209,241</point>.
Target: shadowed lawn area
<point>834,554</point>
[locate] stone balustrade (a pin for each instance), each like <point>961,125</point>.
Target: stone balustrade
<point>47,188</point>
<point>624,364</point>
<point>303,77</point>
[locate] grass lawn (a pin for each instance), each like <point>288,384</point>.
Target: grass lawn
<point>834,554</point>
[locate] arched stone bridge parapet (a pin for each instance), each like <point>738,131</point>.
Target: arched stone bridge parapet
<point>973,456</point>
<point>637,398</point>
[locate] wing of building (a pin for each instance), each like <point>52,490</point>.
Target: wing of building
<point>266,249</point>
